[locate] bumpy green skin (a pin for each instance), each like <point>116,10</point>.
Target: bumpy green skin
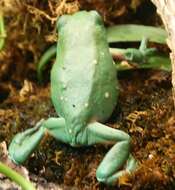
<point>84,91</point>
<point>80,82</point>
<point>139,56</point>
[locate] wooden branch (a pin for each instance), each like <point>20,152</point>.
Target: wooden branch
<point>166,10</point>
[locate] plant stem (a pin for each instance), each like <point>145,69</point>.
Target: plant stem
<point>2,31</point>
<point>14,176</point>
<point>45,58</point>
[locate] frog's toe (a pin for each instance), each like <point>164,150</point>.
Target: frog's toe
<point>107,179</point>
<point>23,144</point>
<point>102,180</point>
<point>112,179</point>
<point>101,175</point>
<point>13,152</point>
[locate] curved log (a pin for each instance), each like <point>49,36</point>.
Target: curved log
<point>166,10</point>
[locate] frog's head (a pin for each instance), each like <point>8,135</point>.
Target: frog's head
<point>79,20</point>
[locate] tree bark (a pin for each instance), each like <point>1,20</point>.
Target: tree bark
<point>166,10</point>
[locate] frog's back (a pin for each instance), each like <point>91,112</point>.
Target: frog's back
<point>83,79</point>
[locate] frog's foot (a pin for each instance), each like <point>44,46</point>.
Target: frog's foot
<point>129,167</point>
<point>24,143</point>
<point>118,156</point>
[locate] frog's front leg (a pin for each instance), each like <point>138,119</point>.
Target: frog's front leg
<point>24,144</point>
<point>118,156</point>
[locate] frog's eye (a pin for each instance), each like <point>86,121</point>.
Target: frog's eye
<point>97,17</point>
<point>61,21</point>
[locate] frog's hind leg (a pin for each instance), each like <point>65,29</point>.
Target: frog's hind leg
<point>24,144</point>
<point>118,156</point>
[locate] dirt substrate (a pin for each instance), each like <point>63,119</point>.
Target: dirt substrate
<point>145,111</point>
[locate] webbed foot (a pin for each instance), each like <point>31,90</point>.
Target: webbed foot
<point>23,144</point>
<point>118,161</point>
<point>130,166</point>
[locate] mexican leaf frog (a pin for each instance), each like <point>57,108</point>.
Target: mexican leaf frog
<point>84,91</point>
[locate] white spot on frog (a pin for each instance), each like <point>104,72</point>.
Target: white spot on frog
<point>95,62</point>
<point>70,131</point>
<point>61,98</point>
<point>106,94</point>
<point>86,105</point>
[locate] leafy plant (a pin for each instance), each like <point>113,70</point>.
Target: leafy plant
<point>144,57</point>
<point>14,176</point>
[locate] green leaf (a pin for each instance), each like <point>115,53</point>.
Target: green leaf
<point>132,32</point>
<point>2,31</point>
<point>161,62</point>
<point>45,58</point>
<point>14,176</point>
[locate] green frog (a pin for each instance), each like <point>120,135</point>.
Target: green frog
<point>84,92</point>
